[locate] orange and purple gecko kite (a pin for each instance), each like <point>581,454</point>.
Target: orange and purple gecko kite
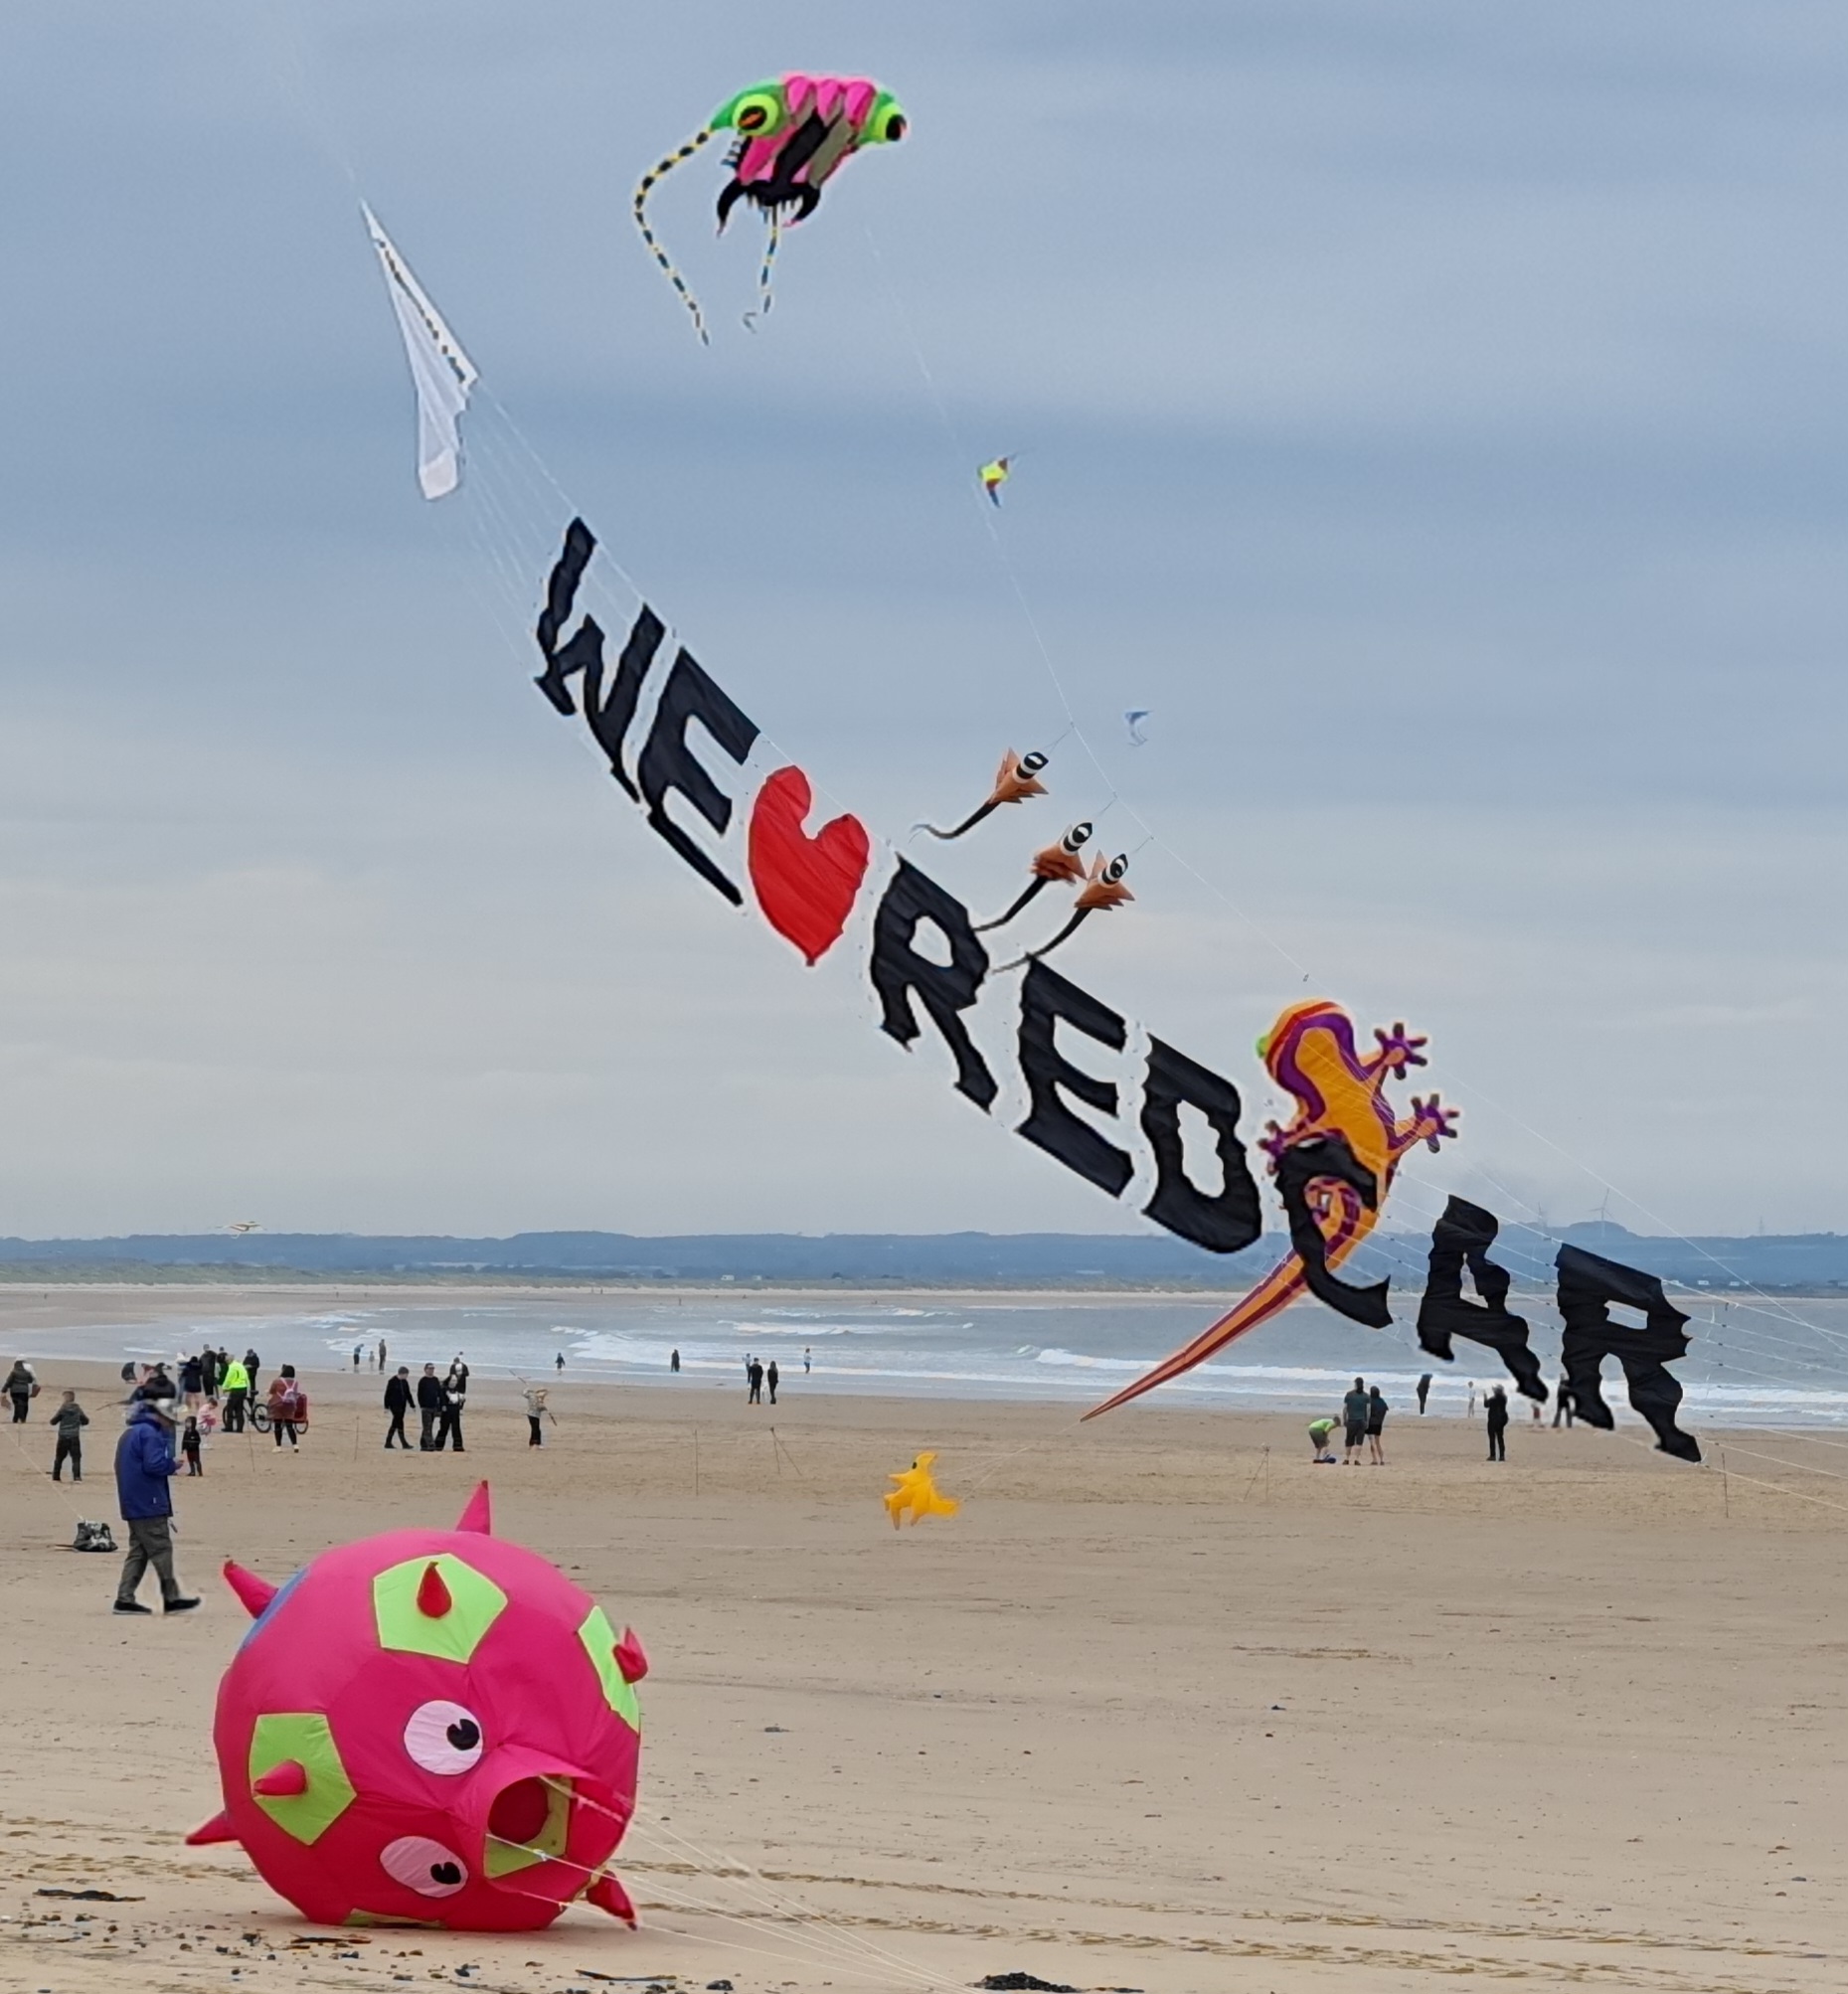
<point>1343,1118</point>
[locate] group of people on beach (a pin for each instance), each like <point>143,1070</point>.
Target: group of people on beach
<point>439,1402</point>
<point>1363,1422</point>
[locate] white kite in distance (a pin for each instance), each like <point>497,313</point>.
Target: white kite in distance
<point>440,371</point>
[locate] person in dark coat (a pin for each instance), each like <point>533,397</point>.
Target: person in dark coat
<point>68,1422</point>
<point>429,1408</point>
<point>398,1402</point>
<point>770,1379</point>
<point>756,1375</point>
<point>454,1404</point>
<point>192,1383</point>
<point>1496,1405</point>
<point>1564,1405</point>
<point>1424,1393</point>
<point>145,1467</point>
<point>255,1366</point>
<point>21,1388</point>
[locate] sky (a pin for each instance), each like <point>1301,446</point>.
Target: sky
<point>1430,413</point>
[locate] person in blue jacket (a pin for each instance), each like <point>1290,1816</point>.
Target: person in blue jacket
<point>145,1467</point>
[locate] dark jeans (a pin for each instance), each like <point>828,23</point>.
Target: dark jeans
<point>450,1430</point>
<point>397,1432</point>
<point>70,1448</point>
<point>278,1427</point>
<point>1498,1443</point>
<point>757,1396</point>
<point>426,1439</point>
<point>234,1411</point>
<point>533,1438</point>
<point>150,1542</point>
<point>21,1401</point>
<point>192,1464</point>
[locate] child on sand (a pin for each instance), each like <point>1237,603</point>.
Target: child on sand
<point>190,1443</point>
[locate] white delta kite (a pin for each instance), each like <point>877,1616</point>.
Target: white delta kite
<point>440,371</point>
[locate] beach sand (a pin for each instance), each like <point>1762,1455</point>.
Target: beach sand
<point>1163,1708</point>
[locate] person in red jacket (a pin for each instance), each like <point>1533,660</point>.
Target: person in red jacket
<point>145,1467</point>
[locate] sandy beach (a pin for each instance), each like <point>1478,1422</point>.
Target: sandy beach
<point>1163,1708</point>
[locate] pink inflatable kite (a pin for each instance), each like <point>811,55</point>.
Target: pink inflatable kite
<point>429,1728</point>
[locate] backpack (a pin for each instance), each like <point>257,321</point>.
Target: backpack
<point>92,1537</point>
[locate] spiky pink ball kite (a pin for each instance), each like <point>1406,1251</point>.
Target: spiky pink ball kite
<point>430,1726</point>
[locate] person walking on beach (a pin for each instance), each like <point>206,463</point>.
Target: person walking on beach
<point>806,1366</point>
<point>191,1443</point>
<point>145,1464</point>
<point>673,1362</point>
<point>357,1349</point>
<point>237,1382</point>
<point>192,1383</point>
<point>557,1363</point>
<point>1319,1431</point>
<point>1354,1418</point>
<point>1496,1408</point>
<point>1376,1425</point>
<point>398,1402</point>
<point>429,1408</point>
<point>1469,1412</point>
<point>22,1387</point>
<point>382,1357</point>
<point>68,1422</point>
<point>289,1407</point>
<point>1424,1393</point>
<point>536,1411</point>
<point>1564,1406</point>
<point>770,1378</point>
<point>753,1370</point>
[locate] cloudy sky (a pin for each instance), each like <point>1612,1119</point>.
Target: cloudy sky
<point>1431,412</point>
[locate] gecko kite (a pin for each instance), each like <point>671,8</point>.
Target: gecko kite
<point>1333,1165</point>
<point>793,134</point>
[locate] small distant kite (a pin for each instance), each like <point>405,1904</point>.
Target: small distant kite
<point>793,134</point>
<point>441,373</point>
<point>1133,719</point>
<point>1060,862</point>
<point>994,476</point>
<point>243,1225</point>
<point>915,1495</point>
<point>1103,890</point>
<point>1015,780</point>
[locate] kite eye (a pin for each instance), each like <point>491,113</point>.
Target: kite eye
<point>1031,764</point>
<point>1117,867</point>
<point>756,114</point>
<point>443,1738</point>
<point>1076,839</point>
<point>886,122</point>
<point>423,1866</point>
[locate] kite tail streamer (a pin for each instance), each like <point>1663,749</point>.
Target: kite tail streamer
<point>1034,955</point>
<point>968,823</point>
<point>766,271</point>
<point>642,191</point>
<point>1002,920</point>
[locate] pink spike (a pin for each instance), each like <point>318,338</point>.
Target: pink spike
<point>828,93</point>
<point>608,1894</point>
<point>433,1599</point>
<point>756,159</point>
<point>476,1516</point>
<point>797,90</point>
<point>253,1593</point>
<point>218,1829</point>
<point>860,95</point>
<point>631,1659</point>
<point>283,1781</point>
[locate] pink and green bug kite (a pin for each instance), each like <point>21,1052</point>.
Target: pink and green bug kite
<point>792,135</point>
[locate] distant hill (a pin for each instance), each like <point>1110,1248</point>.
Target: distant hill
<point>1797,1262</point>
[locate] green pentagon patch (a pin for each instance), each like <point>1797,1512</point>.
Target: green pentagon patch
<point>475,1603</point>
<point>600,1643</point>
<point>306,1737</point>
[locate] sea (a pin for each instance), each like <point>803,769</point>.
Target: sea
<point>1752,1360</point>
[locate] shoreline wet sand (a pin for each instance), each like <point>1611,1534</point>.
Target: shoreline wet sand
<point>1164,1707</point>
